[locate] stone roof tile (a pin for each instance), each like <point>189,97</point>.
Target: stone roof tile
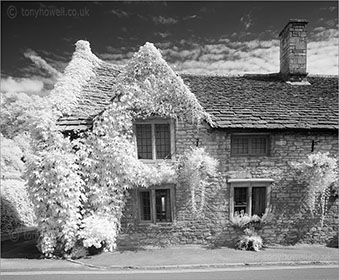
<point>262,101</point>
<point>269,101</point>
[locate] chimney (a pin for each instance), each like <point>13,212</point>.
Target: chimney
<point>293,47</point>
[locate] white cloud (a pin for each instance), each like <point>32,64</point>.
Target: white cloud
<point>42,64</point>
<point>190,17</point>
<point>119,13</point>
<point>162,34</point>
<point>255,56</point>
<point>119,59</point>
<point>322,58</point>
<point>164,20</point>
<point>226,58</point>
<point>323,34</point>
<point>26,85</point>
<point>322,51</point>
<point>247,21</point>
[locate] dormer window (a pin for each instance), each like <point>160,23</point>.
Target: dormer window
<point>154,139</point>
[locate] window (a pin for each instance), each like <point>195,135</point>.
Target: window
<point>154,140</point>
<point>156,205</point>
<point>252,196</point>
<point>250,145</point>
<point>145,205</point>
<point>144,140</point>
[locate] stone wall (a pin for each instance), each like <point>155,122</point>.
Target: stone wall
<point>291,223</point>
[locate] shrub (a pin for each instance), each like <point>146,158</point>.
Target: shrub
<point>249,224</point>
<point>15,192</point>
<point>78,251</point>
<point>14,195</point>
<point>99,231</point>
<point>10,219</point>
<point>250,241</point>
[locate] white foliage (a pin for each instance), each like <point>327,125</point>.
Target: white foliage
<point>196,166</point>
<point>319,172</point>
<point>67,91</point>
<point>99,230</point>
<point>157,89</point>
<point>15,191</point>
<point>95,177</point>
<point>11,154</point>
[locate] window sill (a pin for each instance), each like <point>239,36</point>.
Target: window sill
<point>144,223</point>
<point>251,180</point>
<point>250,156</point>
<point>150,161</point>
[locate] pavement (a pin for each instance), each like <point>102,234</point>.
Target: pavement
<point>202,257</point>
<point>22,255</point>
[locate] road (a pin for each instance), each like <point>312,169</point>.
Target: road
<point>247,273</point>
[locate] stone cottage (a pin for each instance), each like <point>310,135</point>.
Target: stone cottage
<point>262,123</point>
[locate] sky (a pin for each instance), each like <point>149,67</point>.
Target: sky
<point>208,38</point>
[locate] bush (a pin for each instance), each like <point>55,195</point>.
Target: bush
<point>99,231</point>
<point>15,192</point>
<point>78,251</point>
<point>10,219</point>
<point>250,241</point>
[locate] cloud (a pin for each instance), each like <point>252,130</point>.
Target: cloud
<point>163,45</point>
<point>164,20</point>
<point>190,17</point>
<point>323,34</point>
<point>41,63</point>
<point>162,34</point>
<point>247,21</point>
<point>116,58</point>
<point>230,56</point>
<point>26,85</point>
<point>322,51</point>
<point>119,13</point>
<point>323,58</point>
<point>226,57</point>
<point>331,8</point>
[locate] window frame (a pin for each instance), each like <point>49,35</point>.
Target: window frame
<point>152,190</point>
<point>250,136</point>
<point>154,122</point>
<point>249,184</point>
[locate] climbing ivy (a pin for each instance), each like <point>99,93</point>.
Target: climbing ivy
<point>79,187</point>
<point>319,173</point>
<point>55,186</point>
<point>195,167</point>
